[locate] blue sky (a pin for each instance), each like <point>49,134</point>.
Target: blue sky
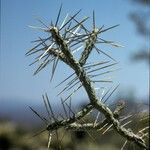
<point>16,77</point>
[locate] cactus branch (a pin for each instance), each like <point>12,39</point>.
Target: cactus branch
<point>62,43</point>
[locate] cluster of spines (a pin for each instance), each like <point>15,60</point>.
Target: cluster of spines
<point>63,41</point>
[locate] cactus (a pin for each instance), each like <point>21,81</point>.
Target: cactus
<point>64,40</point>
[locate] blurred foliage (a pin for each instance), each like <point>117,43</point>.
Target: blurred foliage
<point>145,2</point>
<point>141,19</point>
<point>13,137</point>
<point>141,55</point>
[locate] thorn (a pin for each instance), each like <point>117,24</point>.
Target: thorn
<point>101,81</point>
<point>68,85</point>
<point>42,118</point>
<point>70,20</point>
<point>50,108</point>
<point>95,75</point>
<point>64,108</point>
<point>97,69</point>
<point>107,129</point>
<point>124,145</point>
<point>58,15</point>
<point>54,67</point>
<point>34,27</point>
<point>82,26</point>
<point>77,49</point>
<point>93,20</point>
<point>36,46</point>
<point>94,124</point>
<point>73,92</point>
<point>46,51</point>
<point>46,106</point>
<point>49,140</point>
<point>126,123</point>
<point>38,133</point>
<point>108,28</point>
<point>65,79</point>
<point>38,50</point>
<point>42,23</point>
<point>42,65</point>
<point>104,53</point>
<point>79,24</point>
<point>64,21</point>
<point>95,64</point>
<point>111,93</point>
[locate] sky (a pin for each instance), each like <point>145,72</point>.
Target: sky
<point>16,77</point>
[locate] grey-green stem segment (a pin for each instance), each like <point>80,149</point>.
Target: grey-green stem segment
<point>84,79</point>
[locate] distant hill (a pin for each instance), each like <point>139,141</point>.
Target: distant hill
<point>18,111</point>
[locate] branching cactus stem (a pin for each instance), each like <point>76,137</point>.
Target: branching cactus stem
<point>61,45</point>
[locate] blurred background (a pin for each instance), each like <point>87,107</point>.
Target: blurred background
<point>20,89</point>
